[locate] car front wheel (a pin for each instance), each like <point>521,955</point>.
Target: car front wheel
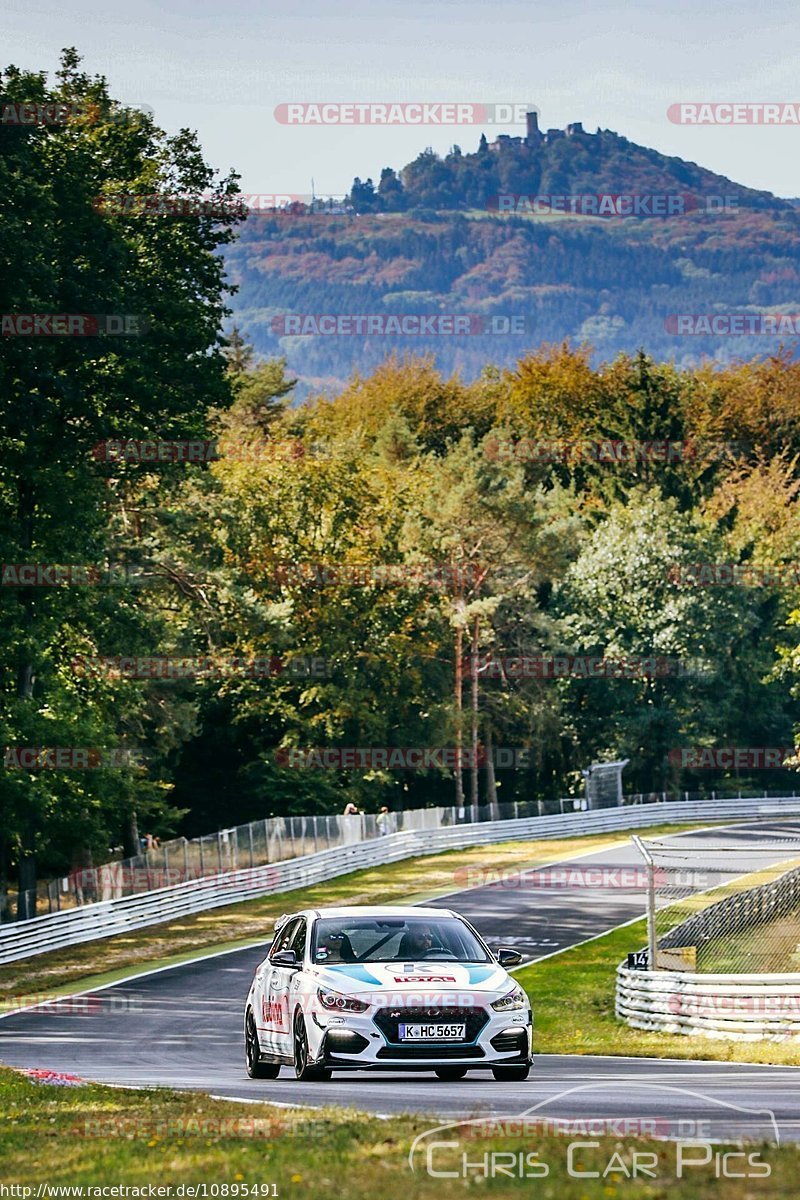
<point>512,1074</point>
<point>255,1068</point>
<point>302,1068</point>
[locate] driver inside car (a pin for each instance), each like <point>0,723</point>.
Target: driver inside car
<point>339,948</point>
<point>415,942</point>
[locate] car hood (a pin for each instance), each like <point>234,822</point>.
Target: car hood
<point>416,977</point>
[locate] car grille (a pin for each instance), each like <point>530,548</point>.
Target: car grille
<point>388,1020</point>
<point>437,1050</point>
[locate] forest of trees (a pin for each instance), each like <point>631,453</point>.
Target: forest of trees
<point>611,284</point>
<point>391,549</point>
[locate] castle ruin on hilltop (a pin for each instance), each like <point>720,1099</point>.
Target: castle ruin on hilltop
<point>534,135</point>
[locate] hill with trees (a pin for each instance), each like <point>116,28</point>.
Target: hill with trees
<point>429,239</point>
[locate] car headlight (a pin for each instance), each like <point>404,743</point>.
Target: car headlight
<point>339,1003</point>
<point>516,998</point>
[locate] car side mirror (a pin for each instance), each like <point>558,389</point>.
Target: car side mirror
<point>507,957</point>
<point>285,958</point>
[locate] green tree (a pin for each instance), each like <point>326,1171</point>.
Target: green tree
<point>624,599</point>
<point>59,396</point>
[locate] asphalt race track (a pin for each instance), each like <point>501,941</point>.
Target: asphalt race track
<point>181,1027</point>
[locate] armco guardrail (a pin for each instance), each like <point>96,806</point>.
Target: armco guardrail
<point>257,844</point>
<point>56,930</point>
<point>271,840</point>
<point>740,1007</point>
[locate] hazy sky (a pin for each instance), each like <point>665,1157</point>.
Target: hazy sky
<point>222,68</point>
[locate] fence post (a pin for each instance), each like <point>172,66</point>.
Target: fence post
<point>202,864</point>
<point>250,838</point>
<point>651,902</point>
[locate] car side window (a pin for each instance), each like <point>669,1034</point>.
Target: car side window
<point>284,939</point>
<point>298,942</point>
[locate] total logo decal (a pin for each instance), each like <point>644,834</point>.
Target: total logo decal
<point>424,978</point>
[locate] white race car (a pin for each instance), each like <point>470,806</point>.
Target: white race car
<point>385,989</point>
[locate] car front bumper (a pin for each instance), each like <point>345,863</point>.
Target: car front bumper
<point>365,1041</point>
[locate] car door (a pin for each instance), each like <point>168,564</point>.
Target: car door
<point>285,985</point>
<point>268,1019</point>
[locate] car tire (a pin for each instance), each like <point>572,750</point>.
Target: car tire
<point>303,1070</point>
<point>512,1074</point>
<point>450,1074</point>
<point>252,1051</point>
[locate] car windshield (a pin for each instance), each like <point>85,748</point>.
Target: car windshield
<point>395,939</point>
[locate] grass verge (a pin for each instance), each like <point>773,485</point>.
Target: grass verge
<point>99,1137</point>
<point>93,963</point>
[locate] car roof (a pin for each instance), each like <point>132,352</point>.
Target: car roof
<point>372,910</point>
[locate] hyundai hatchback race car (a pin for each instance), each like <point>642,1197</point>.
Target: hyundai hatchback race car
<point>385,989</point>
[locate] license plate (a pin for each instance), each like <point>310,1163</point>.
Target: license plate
<point>432,1033</point>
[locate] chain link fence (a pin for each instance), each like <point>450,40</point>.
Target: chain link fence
<point>255,844</point>
<point>727,906</point>
<point>275,839</point>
